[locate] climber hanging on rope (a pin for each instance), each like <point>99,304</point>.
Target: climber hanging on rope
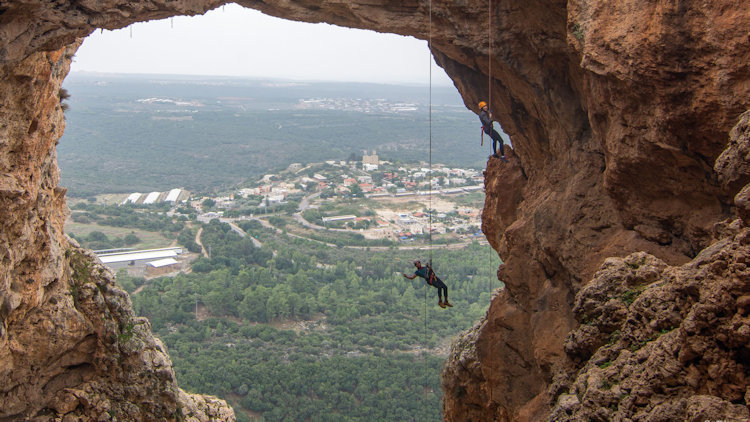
<point>429,276</point>
<point>485,116</point>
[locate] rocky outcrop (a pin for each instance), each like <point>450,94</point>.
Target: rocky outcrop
<point>617,112</point>
<point>70,345</point>
<point>733,165</point>
<point>663,343</point>
<point>632,173</point>
<point>84,355</point>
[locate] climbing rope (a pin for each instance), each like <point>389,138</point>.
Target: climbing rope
<point>489,101</point>
<point>493,271</point>
<point>429,182</point>
<point>489,56</point>
<point>429,196</point>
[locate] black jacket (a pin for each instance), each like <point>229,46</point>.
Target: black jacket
<point>484,117</point>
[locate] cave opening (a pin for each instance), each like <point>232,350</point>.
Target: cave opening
<point>134,112</point>
<point>205,50</point>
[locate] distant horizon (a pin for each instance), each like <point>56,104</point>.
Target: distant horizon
<point>235,41</point>
<point>255,78</point>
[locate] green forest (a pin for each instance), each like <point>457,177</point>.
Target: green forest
<point>318,328</point>
<point>365,343</point>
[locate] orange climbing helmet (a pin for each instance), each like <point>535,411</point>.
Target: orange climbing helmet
<point>482,104</point>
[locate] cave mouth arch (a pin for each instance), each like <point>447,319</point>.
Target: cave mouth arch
<point>582,120</point>
<point>473,132</point>
<point>238,41</point>
<point>113,50</point>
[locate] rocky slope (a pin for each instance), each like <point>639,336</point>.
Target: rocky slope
<point>659,342</point>
<point>617,112</point>
<point>70,346</point>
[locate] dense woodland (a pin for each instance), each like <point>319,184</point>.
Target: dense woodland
<point>362,349</point>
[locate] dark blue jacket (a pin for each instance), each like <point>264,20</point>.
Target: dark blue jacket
<point>426,274</point>
<point>484,117</point>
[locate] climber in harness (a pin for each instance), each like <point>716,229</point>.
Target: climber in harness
<point>429,276</point>
<point>485,116</point>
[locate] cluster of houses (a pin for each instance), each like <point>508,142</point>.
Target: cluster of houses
<point>397,182</point>
<point>411,224</point>
<point>406,226</point>
<point>393,183</point>
<point>341,179</point>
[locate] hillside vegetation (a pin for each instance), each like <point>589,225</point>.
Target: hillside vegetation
<point>298,331</point>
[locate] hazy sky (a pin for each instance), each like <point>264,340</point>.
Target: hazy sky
<point>235,41</point>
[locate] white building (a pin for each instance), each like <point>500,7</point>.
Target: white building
<point>151,198</point>
<point>135,258</point>
<point>173,195</point>
<point>339,218</point>
<point>163,266</point>
<point>133,198</point>
<point>272,199</point>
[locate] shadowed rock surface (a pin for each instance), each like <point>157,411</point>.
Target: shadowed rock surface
<point>617,112</point>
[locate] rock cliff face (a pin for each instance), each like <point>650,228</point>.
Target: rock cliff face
<point>617,112</point>
<point>70,345</point>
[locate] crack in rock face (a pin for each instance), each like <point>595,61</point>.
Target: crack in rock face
<point>617,113</point>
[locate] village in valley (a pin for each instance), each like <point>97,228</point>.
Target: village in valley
<point>361,202</point>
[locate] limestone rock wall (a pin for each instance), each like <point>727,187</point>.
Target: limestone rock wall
<point>617,112</point>
<point>663,343</point>
<point>70,345</point>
